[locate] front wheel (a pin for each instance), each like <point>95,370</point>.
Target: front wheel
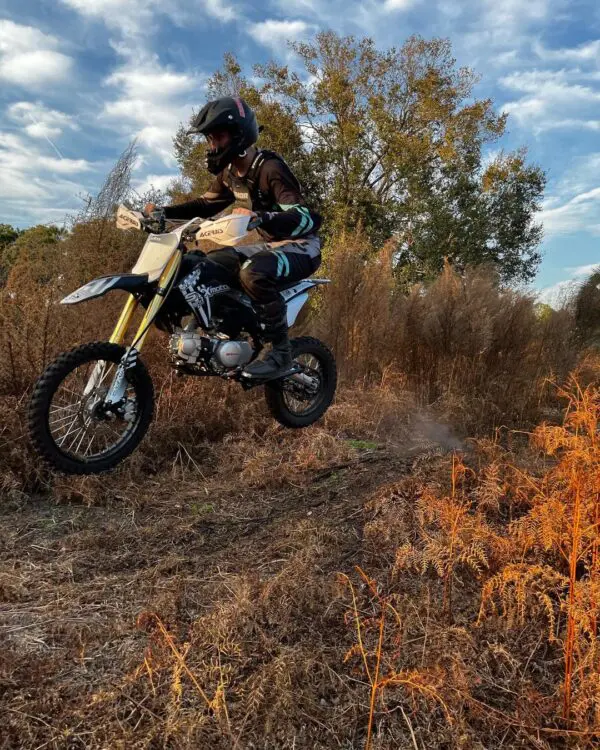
<point>70,425</point>
<point>302,398</point>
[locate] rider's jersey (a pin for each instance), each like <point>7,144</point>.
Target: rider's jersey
<point>271,188</point>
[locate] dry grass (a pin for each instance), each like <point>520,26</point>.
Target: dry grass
<point>369,600</point>
<point>357,584</point>
<point>483,591</point>
<point>482,355</point>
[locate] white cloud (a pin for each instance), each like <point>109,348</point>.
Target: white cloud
<point>15,185</point>
<point>495,35</point>
<point>320,10</point>
<point>511,14</point>
<point>274,34</point>
<point>581,175</point>
<point>151,102</point>
<point>579,213</point>
<point>573,203</point>
<point>137,17</point>
<point>559,294</point>
<point>16,155</point>
<point>310,7</point>
<point>156,181</point>
<point>390,5</point>
<point>368,17</point>
<point>128,16</point>
<point>530,81</point>
<point>570,124</point>
<point>588,52</point>
<point>16,38</point>
<point>220,10</point>
<point>40,122</point>
<point>35,69</point>
<point>552,99</point>
<point>141,98</point>
<point>35,186</point>
<point>146,80</point>
<point>29,58</point>
<point>38,201</point>
<point>582,272</point>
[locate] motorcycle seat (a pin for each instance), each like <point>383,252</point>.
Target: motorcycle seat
<point>291,284</point>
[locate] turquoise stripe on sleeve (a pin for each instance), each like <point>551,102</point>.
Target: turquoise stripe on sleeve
<point>279,263</point>
<point>287,264</point>
<point>306,213</point>
<point>306,223</point>
<point>299,229</point>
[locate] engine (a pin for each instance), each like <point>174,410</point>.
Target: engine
<point>233,353</point>
<point>218,354</point>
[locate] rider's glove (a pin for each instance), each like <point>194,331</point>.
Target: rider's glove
<point>155,220</point>
<point>264,216</point>
<point>260,218</point>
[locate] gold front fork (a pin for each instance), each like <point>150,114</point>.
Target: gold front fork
<point>121,328</point>
<point>118,386</point>
<point>164,285</point>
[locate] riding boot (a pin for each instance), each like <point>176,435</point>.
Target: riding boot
<point>272,318</point>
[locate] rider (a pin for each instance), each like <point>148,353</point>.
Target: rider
<point>266,188</point>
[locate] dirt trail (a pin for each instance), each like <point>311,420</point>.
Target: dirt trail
<point>74,579</point>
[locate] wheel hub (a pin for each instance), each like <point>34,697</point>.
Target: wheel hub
<point>98,409</point>
<point>302,385</point>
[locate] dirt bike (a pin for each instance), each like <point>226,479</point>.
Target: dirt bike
<point>92,406</point>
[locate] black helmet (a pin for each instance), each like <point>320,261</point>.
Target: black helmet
<point>231,113</point>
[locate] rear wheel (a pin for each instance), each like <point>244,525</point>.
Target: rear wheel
<point>69,423</point>
<point>302,398</point>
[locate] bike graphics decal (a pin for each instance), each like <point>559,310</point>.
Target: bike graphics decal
<point>198,295</point>
<point>209,233</point>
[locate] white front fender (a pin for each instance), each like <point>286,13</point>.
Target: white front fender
<point>95,288</point>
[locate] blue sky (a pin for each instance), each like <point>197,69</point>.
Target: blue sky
<point>80,78</point>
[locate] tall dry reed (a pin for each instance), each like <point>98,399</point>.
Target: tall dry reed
<point>484,354</point>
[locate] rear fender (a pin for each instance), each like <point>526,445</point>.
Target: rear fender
<point>295,297</point>
<point>294,306</point>
<point>128,282</point>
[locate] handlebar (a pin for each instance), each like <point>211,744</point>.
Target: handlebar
<point>154,223</point>
<point>256,222</point>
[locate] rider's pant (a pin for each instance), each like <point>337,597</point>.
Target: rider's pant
<point>265,268</point>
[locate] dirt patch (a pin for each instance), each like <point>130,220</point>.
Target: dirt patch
<point>75,581</point>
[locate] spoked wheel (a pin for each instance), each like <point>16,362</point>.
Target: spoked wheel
<point>70,425</point>
<point>302,398</point>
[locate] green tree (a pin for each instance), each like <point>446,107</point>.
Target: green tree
<point>8,234</point>
<point>392,141</point>
<point>472,216</point>
<point>33,254</point>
